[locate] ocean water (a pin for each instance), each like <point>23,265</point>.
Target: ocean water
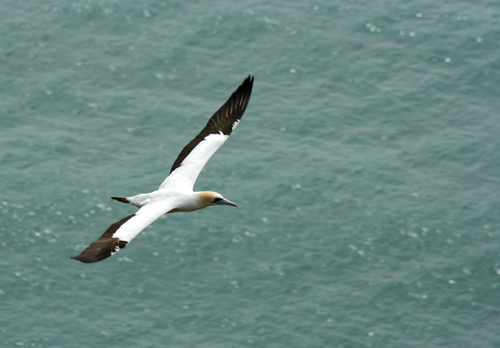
<point>366,170</point>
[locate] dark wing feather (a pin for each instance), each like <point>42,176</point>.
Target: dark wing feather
<point>105,246</point>
<point>222,120</point>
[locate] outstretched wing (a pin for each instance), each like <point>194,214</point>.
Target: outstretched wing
<point>196,154</point>
<point>119,234</point>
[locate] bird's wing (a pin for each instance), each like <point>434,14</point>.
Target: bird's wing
<point>119,234</point>
<point>196,154</point>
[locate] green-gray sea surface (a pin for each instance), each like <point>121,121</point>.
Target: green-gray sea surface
<point>366,170</point>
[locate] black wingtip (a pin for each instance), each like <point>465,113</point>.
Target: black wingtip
<point>81,259</point>
<point>248,82</point>
<point>100,250</point>
<point>105,246</point>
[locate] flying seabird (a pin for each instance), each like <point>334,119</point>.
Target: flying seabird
<point>176,193</point>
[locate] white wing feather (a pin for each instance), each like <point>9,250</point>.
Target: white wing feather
<point>142,219</point>
<point>184,177</point>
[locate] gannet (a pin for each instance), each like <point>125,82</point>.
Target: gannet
<point>175,194</point>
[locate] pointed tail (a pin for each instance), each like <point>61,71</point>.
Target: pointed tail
<point>121,199</point>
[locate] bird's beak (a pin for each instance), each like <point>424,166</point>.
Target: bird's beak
<point>226,202</point>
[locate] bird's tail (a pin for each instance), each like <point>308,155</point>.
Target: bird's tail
<point>121,199</point>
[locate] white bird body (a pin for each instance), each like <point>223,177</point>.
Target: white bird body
<point>182,200</point>
<point>176,193</point>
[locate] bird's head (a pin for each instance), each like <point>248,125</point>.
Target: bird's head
<point>214,198</point>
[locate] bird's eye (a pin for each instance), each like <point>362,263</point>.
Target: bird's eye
<point>217,199</point>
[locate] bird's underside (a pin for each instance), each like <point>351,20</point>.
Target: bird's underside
<point>176,192</point>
